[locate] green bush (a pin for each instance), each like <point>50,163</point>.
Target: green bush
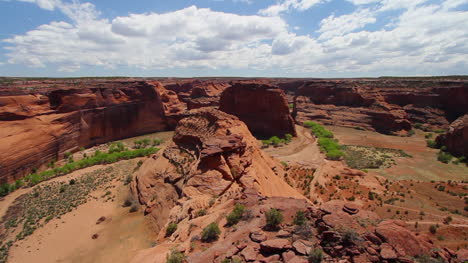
<point>428,135</point>
<point>431,144</point>
<point>433,229</point>
<point>175,257</point>
<point>171,228</point>
<point>157,142</point>
<point>299,218</point>
<point>98,158</point>
<point>116,147</point>
<point>444,157</point>
<point>140,144</point>
<point>315,256</point>
<point>236,215</point>
<point>318,130</point>
<point>210,233</point>
<point>273,219</point>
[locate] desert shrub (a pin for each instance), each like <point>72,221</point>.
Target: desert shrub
<point>350,236</point>
<point>236,215</point>
<point>210,233</point>
<point>447,220</point>
<point>433,229</point>
<point>72,182</point>
<point>134,208</point>
<point>444,157</point>
<point>273,219</point>
<point>201,212</point>
<point>431,144</point>
<point>275,140</point>
<point>418,125</point>
<point>128,202</point>
<point>171,228</point>
<point>128,179</point>
<point>157,142</point>
<point>411,133</point>
<point>299,218</point>
<point>428,135</point>
<point>175,257</point>
<point>315,256</point>
<point>67,155</point>
<point>352,198</point>
<point>143,143</point>
<point>288,137</point>
<point>116,147</point>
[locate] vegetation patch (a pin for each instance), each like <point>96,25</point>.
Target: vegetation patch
<point>115,154</point>
<point>327,143</point>
<point>276,141</point>
<point>367,157</point>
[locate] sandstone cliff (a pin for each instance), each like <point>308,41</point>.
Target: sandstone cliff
<point>456,138</point>
<point>262,107</point>
<point>383,105</point>
<point>41,126</point>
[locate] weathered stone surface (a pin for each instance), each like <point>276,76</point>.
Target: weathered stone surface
<point>300,247</point>
<point>387,252</point>
<point>274,246</point>
<point>249,254</point>
<point>258,236</point>
<point>405,242</point>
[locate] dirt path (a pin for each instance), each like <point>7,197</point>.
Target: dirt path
<point>302,150</point>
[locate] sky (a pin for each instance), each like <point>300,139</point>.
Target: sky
<point>245,38</point>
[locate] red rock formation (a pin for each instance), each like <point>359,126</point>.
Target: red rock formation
<point>456,139</point>
<point>39,127</point>
<point>262,107</point>
<point>197,94</point>
<point>384,105</point>
<point>212,153</point>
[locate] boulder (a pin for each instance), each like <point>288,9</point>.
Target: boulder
<point>275,246</point>
<point>456,138</point>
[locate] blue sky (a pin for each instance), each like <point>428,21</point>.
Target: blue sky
<point>263,38</point>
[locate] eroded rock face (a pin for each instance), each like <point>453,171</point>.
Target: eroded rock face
<point>383,105</point>
<point>212,153</point>
<point>37,128</point>
<point>262,107</point>
<point>456,139</point>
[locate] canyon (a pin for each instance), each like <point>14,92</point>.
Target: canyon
<point>41,120</point>
<point>212,173</point>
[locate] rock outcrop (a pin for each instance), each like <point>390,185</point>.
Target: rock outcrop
<point>41,126</point>
<point>456,138</point>
<point>262,107</point>
<point>383,105</point>
<point>212,153</point>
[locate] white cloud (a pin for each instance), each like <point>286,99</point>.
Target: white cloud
<point>338,26</point>
<point>425,38</point>
<point>287,5</point>
<point>363,2</point>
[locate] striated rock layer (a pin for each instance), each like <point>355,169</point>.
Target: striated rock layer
<point>456,139</point>
<point>41,126</point>
<point>262,107</point>
<point>383,105</point>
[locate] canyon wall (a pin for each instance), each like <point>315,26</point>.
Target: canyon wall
<point>40,126</point>
<point>383,105</point>
<point>262,107</point>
